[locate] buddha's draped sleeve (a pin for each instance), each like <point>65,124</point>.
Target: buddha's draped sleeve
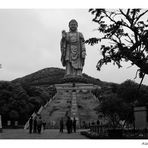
<point>83,49</point>
<point>63,50</point>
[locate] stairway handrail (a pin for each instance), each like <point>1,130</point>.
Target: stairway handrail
<point>39,111</point>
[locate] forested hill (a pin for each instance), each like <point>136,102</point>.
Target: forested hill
<point>44,76</point>
<point>49,76</point>
<point>21,97</point>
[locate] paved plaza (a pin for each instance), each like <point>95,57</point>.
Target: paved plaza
<point>46,134</point>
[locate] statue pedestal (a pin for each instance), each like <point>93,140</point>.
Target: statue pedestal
<point>74,79</point>
<point>75,87</point>
<point>78,91</point>
<point>73,99</point>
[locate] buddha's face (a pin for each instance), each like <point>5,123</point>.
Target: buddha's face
<point>73,26</point>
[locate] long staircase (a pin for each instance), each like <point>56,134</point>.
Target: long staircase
<point>59,107</point>
<point>70,100</point>
<point>70,103</point>
<point>86,107</point>
<point>74,108</point>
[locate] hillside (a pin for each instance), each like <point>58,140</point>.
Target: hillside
<point>21,97</point>
<point>49,76</point>
<point>41,77</point>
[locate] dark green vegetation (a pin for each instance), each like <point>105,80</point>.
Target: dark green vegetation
<point>18,102</point>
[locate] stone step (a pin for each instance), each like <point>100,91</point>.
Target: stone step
<point>76,104</point>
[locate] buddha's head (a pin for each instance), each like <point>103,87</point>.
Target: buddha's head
<point>73,25</point>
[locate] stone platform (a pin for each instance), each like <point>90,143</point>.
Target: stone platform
<point>75,86</point>
<point>74,100</point>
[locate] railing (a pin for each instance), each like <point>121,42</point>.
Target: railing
<point>99,129</point>
<point>27,123</point>
<point>39,111</point>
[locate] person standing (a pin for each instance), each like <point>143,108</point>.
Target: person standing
<point>35,125</point>
<point>39,124</point>
<point>30,124</point>
<point>74,125</point>
<point>71,125</point>
<point>98,122</point>
<point>68,124</point>
<point>61,125</point>
<point>44,124</point>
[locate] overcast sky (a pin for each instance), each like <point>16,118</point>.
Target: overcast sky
<point>30,41</point>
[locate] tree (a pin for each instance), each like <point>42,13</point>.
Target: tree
<point>13,115</point>
<point>128,92</point>
<point>116,109</point>
<point>117,101</point>
<point>123,36</point>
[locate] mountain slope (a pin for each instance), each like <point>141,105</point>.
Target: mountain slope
<point>49,76</point>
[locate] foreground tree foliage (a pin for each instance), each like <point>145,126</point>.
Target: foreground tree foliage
<point>123,34</point>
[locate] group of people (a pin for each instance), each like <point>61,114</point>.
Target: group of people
<point>70,125</point>
<point>35,125</point>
